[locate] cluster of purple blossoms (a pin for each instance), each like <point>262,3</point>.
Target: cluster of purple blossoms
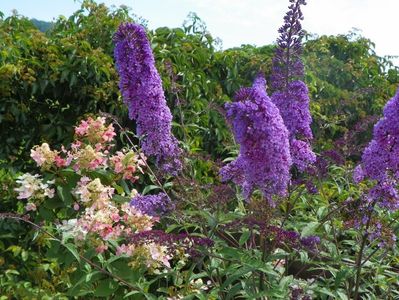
<point>294,107</point>
<point>293,104</point>
<point>380,160</point>
<point>264,160</point>
<point>141,88</point>
<point>384,234</point>
<point>153,205</point>
<point>310,242</point>
<point>291,95</point>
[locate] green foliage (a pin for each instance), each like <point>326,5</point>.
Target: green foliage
<point>49,80</point>
<point>347,82</point>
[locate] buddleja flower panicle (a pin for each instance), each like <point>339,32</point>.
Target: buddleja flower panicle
<point>287,63</point>
<point>264,160</point>
<point>141,88</point>
<point>291,95</point>
<point>380,160</point>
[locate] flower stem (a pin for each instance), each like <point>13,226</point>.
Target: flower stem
<point>360,254</point>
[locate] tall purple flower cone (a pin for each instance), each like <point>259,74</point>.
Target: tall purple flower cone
<point>287,63</point>
<point>380,160</point>
<point>264,160</point>
<point>291,95</point>
<point>141,89</point>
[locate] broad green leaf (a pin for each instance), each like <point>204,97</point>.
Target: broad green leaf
<point>73,250</point>
<point>309,229</point>
<point>106,287</point>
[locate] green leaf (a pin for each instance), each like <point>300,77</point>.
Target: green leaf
<point>105,288</point>
<point>326,292</point>
<point>53,203</point>
<point>234,291</point>
<point>121,269</point>
<point>341,276</point>
<point>92,276</point>
<point>46,214</point>
<point>25,255</point>
<point>120,199</point>
<point>64,192</point>
<point>105,177</point>
<point>73,250</point>
<point>69,174</point>
<point>149,188</point>
<point>309,229</point>
<point>118,189</point>
<point>342,295</point>
<point>244,237</point>
<point>168,185</point>
<point>125,187</point>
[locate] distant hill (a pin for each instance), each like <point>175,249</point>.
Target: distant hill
<point>43,26</point>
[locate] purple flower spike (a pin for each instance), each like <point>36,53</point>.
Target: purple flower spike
<point>141,88</point>
<point>291,95</point>
<point>287,63</point>
<point>380,160</point>
<point>264,160</point>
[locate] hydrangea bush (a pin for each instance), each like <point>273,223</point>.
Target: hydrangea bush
<point>100,217</point>
<point>90,188</point>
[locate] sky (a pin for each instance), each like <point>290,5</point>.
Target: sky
<point>254,22</point>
